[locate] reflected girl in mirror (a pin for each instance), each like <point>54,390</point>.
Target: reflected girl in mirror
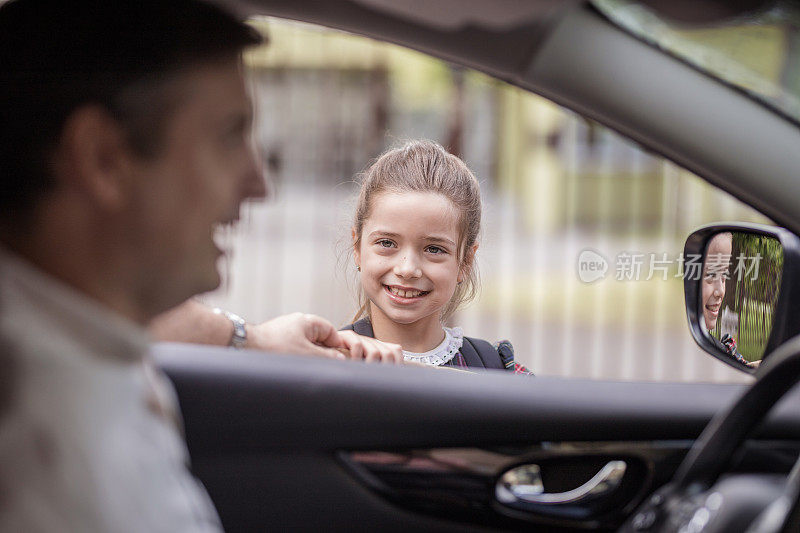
<point>716,270</point>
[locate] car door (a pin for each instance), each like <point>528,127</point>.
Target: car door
<point>288,443</point>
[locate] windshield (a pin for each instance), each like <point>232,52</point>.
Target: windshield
<point>758,52</point>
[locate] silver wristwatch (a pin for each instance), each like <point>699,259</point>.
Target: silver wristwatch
<point>239,337</point>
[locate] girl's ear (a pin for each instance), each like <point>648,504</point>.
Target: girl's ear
<point>469,261</point>
<point>356,249</point>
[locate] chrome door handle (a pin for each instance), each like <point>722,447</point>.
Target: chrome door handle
<point>523,484</point>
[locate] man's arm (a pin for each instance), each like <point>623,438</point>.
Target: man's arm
<point>192,322</point>
<point>297,333</point>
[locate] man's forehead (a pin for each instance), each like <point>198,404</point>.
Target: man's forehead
<point>218,86</point>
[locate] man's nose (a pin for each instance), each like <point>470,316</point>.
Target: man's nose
<point>408,266</point>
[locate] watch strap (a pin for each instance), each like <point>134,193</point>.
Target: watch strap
<point>239,337</point>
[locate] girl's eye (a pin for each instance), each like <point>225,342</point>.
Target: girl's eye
<point>713,276</point>
<point>436,250</point>
<point>385,243</point>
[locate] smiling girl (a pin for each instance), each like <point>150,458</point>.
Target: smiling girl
<point>415,235</point>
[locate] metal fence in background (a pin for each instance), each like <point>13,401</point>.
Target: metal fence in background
<point>752,288</point>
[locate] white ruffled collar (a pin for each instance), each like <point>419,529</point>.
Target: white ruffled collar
<point>442,354</point>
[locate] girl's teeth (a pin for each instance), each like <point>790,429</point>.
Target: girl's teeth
<point>404,294</point>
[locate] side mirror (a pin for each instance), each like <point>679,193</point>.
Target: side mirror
<point>741,290</point>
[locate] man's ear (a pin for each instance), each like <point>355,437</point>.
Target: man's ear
<point>356,248</point>
<point>468,263</point>
<point>93,157</point>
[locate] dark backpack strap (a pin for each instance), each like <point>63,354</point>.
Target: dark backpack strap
<point>506,352</point>
<point>479,353</point>
<point>362,327</point>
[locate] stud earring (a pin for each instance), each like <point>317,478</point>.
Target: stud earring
<point>358,267</point>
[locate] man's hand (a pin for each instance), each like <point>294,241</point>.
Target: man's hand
<point>298,333</point>
<point>305,334</point>
<point>371,350</point>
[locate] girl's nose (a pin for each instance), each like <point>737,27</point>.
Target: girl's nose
<point>718,288</point>
<point>408,267</point>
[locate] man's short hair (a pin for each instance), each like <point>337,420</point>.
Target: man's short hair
<point>56,56</point>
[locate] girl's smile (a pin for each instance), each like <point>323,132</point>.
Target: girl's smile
<point>405,295</point>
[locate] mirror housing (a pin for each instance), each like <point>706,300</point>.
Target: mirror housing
<point>785,318</point>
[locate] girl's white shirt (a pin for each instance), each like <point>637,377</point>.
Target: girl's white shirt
<point>442,354</point>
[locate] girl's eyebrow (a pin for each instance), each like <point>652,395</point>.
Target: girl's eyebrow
<point>383,233</point>
<point>433,238</point>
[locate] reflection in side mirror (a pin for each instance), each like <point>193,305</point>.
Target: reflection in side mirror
<point>739,289</point>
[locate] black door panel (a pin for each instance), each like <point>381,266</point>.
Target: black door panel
<point>273,437</point>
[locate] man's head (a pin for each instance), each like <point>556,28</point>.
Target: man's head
<point>124,127</point>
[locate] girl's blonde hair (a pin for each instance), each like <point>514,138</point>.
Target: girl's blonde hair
<point>425,166</point>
